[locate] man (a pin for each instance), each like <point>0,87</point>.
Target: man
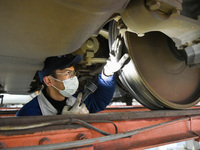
<point>61,83</point>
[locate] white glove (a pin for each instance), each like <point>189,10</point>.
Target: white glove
<point>114,63</point>
<point>76,109</point>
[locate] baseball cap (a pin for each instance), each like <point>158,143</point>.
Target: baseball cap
<point>58,62</point>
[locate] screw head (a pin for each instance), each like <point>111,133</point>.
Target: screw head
<point>81,136</point>
<point>44,140</point>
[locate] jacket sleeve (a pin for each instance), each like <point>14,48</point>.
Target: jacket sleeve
<point>103,95</point>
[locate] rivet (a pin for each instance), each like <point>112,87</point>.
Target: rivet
<point>81,136</point>
<point>44,140</point>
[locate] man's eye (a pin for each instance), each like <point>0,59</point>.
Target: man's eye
<point>68,73</point>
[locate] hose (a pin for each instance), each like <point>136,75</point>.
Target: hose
<point>70,121</point>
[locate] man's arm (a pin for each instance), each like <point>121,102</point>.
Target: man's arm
<point>106,82</point>
<point>103,95</point>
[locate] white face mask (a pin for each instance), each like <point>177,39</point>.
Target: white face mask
<point>71,85</point>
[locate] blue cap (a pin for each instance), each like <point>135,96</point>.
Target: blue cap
<point>58,62</point>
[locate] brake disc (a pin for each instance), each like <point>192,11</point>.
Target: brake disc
<point>125,84</point>
<point>156,75</point>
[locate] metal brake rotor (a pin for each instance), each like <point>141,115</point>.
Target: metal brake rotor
<point>157,77</point>
<point>130,86</point>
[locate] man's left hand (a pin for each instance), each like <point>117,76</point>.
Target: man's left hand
<point>76,108</point>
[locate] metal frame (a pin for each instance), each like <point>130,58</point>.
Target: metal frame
<point>136,129</point>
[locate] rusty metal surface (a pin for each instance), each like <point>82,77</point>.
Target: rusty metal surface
<point>135,134</point>
<point>110,109</point>
<point>111,116</point>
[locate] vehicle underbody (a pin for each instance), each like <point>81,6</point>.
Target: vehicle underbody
<point>162,38</point>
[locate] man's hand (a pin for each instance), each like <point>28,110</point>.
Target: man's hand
<point>114,63</point>
<point>76,109</point>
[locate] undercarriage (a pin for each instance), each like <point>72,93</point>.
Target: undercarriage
<point>162,38</point>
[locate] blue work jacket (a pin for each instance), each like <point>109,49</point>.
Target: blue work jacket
<point>95,102</point>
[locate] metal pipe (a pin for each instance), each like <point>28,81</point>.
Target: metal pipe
<point>115,116</point>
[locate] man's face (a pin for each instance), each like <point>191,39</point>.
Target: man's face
<point>64,74</point>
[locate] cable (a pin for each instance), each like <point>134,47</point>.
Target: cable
<point>6,128</point>
<point>90,126</point>
<point>78,121</point>
<point>105,121</point>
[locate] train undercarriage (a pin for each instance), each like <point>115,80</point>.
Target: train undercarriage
<point>162,38</point>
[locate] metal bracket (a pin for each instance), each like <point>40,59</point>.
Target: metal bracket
<point>191,129</point>
<point>193,55</point>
